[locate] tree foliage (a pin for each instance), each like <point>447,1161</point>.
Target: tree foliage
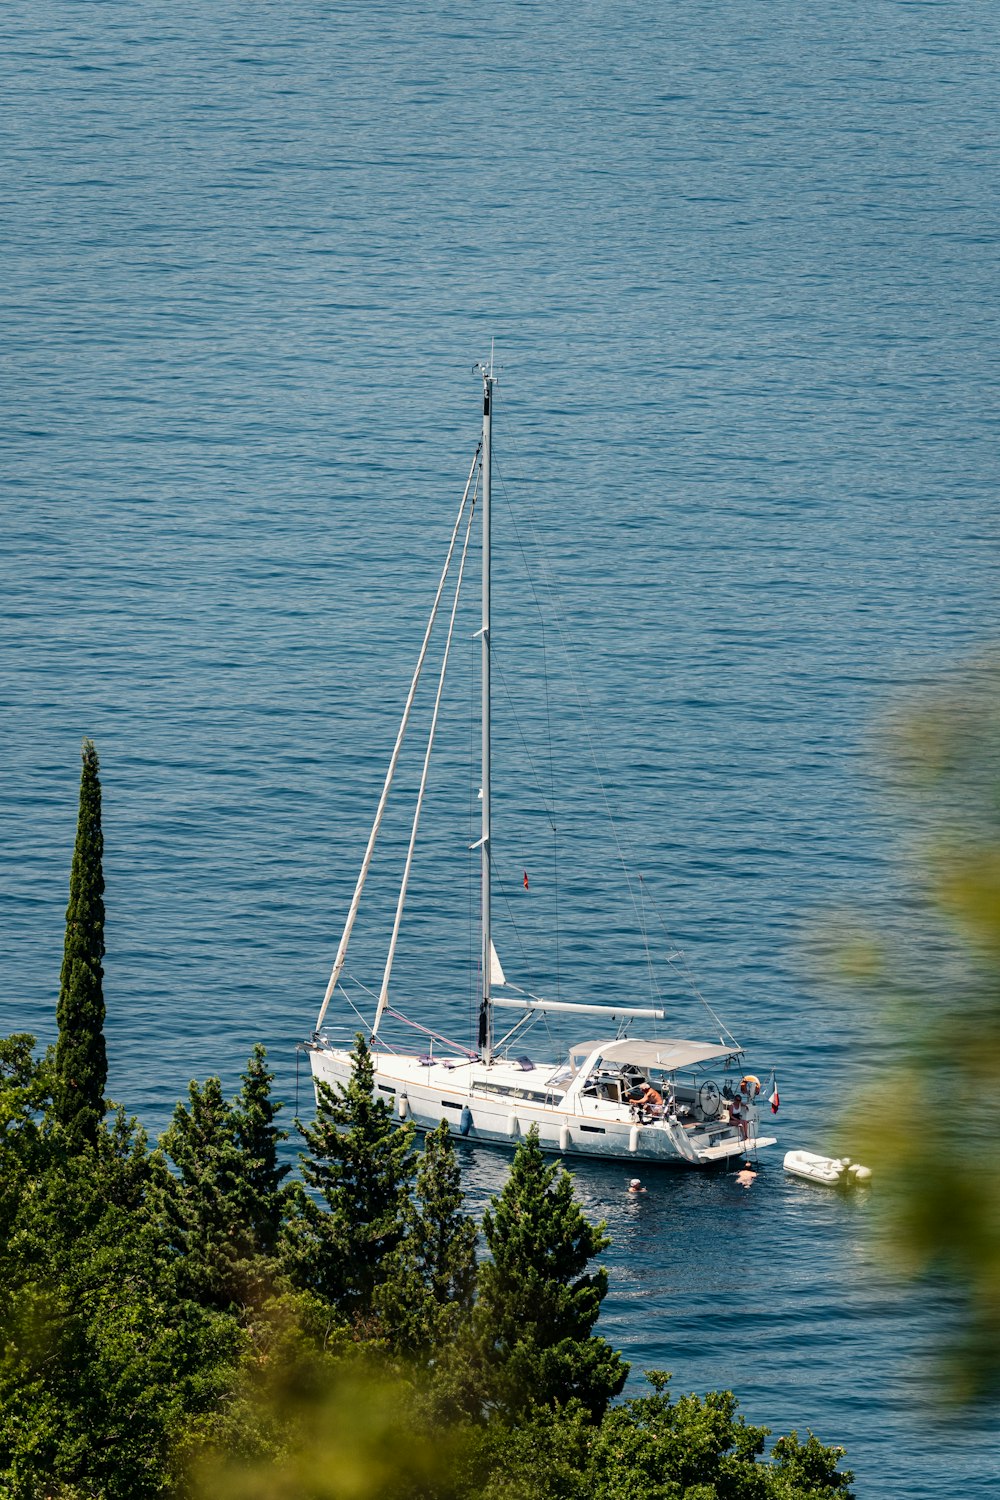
<point>81,1064</point>
<point>538,1302</point>
<point>103,1359</point>
<point>150,1343</point>
<point>199,1200</point>
<point>258,1138</point>
<point>366,1434</point>
<point>218,1192</point>
<point>185,1322</point>
<point>426,1298</point>
<point>25,1092</point>
<point>938,1204</point>
<point>700,1447</point>
<point>360,1164</point>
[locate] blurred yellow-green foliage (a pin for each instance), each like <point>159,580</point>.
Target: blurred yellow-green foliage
<point>930,1130</point>
<point>358,1434</point>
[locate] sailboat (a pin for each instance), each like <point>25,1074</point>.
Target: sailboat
<point>616,1096</point>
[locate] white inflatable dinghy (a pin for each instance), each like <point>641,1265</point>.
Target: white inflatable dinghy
<point>833,1171</point>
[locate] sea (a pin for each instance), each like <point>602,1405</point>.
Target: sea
<point>737,265</point>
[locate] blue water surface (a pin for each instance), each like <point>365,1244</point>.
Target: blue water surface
<point>740,265</point>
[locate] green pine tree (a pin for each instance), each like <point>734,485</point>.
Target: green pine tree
<point>257,1139</point>
<point>537,1303</point>
<point>431,1281</point>
<point>361,1164</point>
<point>201,1204</point>
<point>221,1207</point>
<point>81,1063</point>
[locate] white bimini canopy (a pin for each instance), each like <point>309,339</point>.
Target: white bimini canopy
<point>668,1054</point>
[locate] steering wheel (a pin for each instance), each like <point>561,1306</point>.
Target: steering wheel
<point>709,1098</point>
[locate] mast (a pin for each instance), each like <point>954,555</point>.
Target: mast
<point>485,1011</point>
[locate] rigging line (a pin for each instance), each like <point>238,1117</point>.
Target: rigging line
<point>545,674</point>
<point>527,1023</point>
<point>502,892</point>
<point>557,945</point>
<point>555,906</point>
<point>396,1015</point>
<point>350,1002</point>
<point>549,809</point>
<point>545,667</point>
<point>686,972</point>
<point>529,1020</point>
<point>435,1035</point>
<point>522,1024</point>
<point>654,985</point>
<point>366,862</point>
<point>586,714</point>
<point>559,632</point>
<point>472,885</point>
<point>581,698</point>
<point>587,717</point>
<point>361,986</point>
<point>383,998</point>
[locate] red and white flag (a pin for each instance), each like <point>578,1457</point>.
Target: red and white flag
<point>772,1098</point>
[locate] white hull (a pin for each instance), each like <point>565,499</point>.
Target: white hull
<point>499,1103</point>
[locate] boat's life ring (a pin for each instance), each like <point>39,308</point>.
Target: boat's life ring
<point>750,1085</point>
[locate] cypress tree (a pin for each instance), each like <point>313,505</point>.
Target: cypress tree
<point>81,1063</point>
<point>537,1303</point>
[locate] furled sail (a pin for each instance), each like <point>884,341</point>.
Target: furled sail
<point>497,975</point>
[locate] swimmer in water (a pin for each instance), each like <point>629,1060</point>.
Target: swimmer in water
<point>635,1186</point>
<point>746,1174</point>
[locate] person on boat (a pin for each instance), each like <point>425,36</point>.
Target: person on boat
<point>635,1186</point>
<point>645,1099</point>
<point>738,1116</point>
